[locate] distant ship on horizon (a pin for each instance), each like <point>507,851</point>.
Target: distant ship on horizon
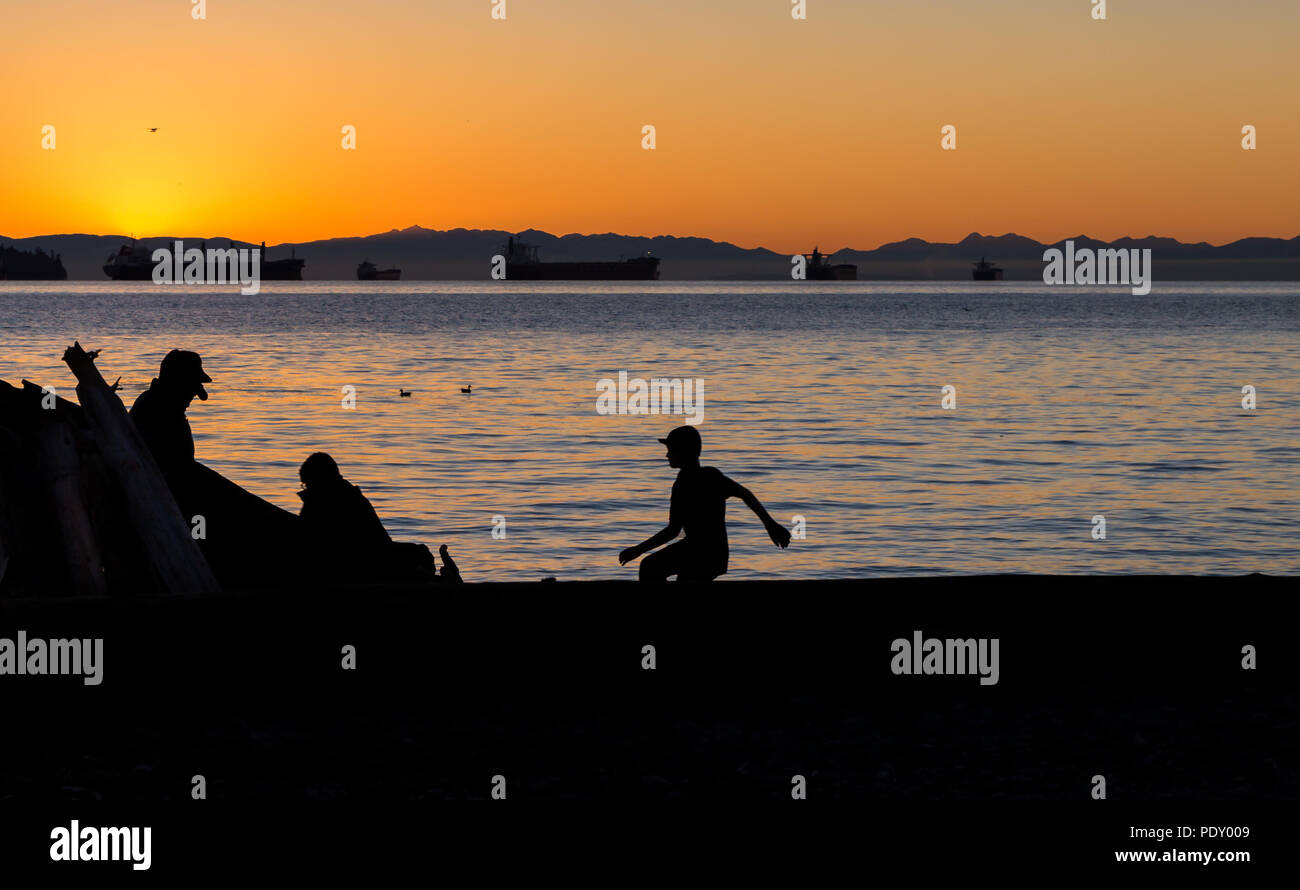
<point>134,262</point>
<point>368,271</point>
<point>986,271</point>
<point>820,269</point>
<point>289,269</point>
<point>522,264</point>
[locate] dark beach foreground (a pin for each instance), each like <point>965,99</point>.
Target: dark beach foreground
<point>1137,679</point>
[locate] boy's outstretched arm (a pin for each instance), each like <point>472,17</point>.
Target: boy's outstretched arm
<point>779,534</point>
<point>669,532</point>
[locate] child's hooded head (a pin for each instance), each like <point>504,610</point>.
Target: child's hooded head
<point>319,469</point>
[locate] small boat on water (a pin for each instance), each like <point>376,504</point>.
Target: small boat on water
<point>820,268</point>
<point>984,271</point>
<point>368,271</point>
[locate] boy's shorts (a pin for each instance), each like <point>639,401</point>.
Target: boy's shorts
<point>686,561</point>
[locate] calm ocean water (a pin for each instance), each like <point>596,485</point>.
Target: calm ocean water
<point>825,400</point>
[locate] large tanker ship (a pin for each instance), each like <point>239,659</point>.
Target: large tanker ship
<point>522,264</point>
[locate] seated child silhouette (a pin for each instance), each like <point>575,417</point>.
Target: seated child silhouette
<point>347,537</point>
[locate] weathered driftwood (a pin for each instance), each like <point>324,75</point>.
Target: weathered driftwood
<point>50,428</point>
<point>41,527</point>
<point>124,552</point>
<point>59,471</point>
<point>4,530</point>
<point>174,557</point>
<point>17,524</point>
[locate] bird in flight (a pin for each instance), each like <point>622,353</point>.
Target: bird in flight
<point>153,129</point>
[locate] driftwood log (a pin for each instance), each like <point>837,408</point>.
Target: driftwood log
<point>4,527</point>
<point>59,472</point>
<point>174,557</point>
<point>120,545</point>
<point>59,439</point>
<point>34,556</point>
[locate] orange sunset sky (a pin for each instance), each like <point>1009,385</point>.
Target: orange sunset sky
<point>771,131</point>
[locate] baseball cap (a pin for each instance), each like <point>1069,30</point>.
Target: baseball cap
<point>684,440</point>
<point>186,367</point>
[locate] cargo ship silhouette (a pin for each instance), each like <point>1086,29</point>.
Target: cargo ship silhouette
<point>820,269</point>
<point>368,271</point>
<point>134,262</point>
<point>522,264</point>
<point>986,271</point>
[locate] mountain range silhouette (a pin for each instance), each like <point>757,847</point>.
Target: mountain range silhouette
<point>432,254</point>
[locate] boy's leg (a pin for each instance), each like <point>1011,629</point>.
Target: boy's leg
<point>662,564</point>
<point>680,559</point>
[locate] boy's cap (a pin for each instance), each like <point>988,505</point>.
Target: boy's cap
<point>187,367</point>
<point>684,439</point>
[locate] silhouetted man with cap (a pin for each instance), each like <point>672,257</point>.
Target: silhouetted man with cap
<point>159,412</point>
<point>248,541</point>
<point>698,507</point>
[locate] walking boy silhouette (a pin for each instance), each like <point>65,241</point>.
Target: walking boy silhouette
<point>698,507</point>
